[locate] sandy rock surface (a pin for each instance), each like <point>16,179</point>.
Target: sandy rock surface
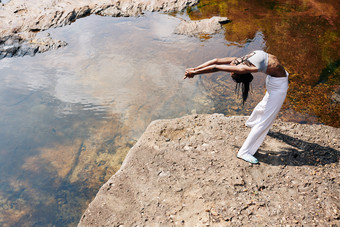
<point>185,172</point>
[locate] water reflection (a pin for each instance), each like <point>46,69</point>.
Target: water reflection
<point>305,37</point>
<point>68,117</point>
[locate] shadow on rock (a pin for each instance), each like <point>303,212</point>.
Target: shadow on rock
<point>301,153</point>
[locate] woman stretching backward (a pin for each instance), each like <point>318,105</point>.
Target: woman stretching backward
<point>264,114</point>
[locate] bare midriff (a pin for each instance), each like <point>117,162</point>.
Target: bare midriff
<point>274,68</point>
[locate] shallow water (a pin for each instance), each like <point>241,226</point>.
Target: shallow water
<point>305,37</point>
<point>68,117</point>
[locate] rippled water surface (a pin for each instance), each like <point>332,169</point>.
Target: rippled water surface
<point>69,116</point>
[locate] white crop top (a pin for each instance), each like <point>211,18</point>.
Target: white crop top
<point>260,60</point>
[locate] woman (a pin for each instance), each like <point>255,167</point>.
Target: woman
<point>266,111</point>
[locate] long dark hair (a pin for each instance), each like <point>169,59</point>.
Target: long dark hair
<point>243,83</point>
<point>242,80</point>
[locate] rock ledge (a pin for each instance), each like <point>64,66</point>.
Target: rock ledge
<point>185,172</point>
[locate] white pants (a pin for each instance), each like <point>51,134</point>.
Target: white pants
<point>264,114</point>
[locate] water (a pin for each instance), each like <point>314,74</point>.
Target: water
<point>305,37</point>
<point>68,117</point>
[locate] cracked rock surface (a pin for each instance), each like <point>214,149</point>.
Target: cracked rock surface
<point>185,172</point>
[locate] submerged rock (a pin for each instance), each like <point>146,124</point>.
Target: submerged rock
<point>185,172</point>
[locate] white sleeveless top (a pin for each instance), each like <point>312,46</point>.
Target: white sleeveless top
<point>260,60</point>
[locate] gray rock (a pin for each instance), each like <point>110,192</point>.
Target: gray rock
<point>15,46</point>
<point>201,27</point>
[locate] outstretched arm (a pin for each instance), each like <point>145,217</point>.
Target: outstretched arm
<point>240,69</point>
<point>216,61</point>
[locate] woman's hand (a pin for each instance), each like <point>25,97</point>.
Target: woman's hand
<point>189,73</point>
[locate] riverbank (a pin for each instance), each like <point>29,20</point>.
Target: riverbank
<point>23,21</point>
<point>20,22</point>
<point>185,172</point>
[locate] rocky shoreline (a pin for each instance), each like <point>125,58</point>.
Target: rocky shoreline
<point>21,21</point>
<point>185,172</point>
